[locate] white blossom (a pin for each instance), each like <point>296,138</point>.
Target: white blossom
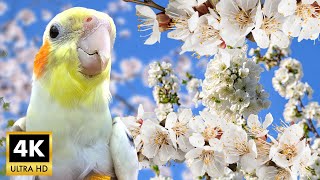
<point>268,29</point>
<point>289,149</point>
<point>289,72</point>
<point>27,16</point>
<point>154,73</point>
<point>157,143</point>
<point>193,85</point>
<point>305,163</point>
<point>237,19</point>
<point>206,37</point>
<point>291,112</point>
<point>130,67</point>
<point>134,125</point>
<point>125,33</point>
<point>206,159</point>
<point>193,88</point>
<point>179,130</point>
<point>234,90</point>
<point>166,87</point>
<point>302,19</point>
<point>46,15</point>
<point>149,22</point>
<point>225,135</point>
<point>271,172</point>
<point>163,110</point>
<point>208,128</point>
<point>312,111</point>
<point>256,128</point>
<point>184,24</point>
<point>238,147</point>
<point>3,8</point>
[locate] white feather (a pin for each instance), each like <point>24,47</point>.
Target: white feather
<point>80,136</point>
<point>124,155</point>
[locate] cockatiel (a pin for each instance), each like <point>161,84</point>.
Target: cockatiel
<point>70,97</point>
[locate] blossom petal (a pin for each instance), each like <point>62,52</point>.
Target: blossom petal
<point>253,121</point>
<point>149,150</point>
<point>140,112</point>
<point>185,116</point>
<point>179,34</point>
<point>270,7</point>
<point>259,18</point>
<point>292,26</point>
<point>146,11</point>
<point>171,120</point>
<point>261,38</point>
<point>173,138</point>
<point>310,29</point>
<point>193,21</point>
<point>194,153</point>
<point>280,39</point>
<point>248,162</point>
<point>165,152</point>
<point>287,7</point>
<point>155,36</point>
<point>216,144</point>
<point>197,140</point>
<point>253,148</point>
<point>247,5</point>
<point>197,168</point>
<point>268,121</point>
<point>184,143</point>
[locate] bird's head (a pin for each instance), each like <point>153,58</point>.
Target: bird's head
<point>75,58</point>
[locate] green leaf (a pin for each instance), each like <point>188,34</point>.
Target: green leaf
<point>189,76</point>
<point>156,169</point>
<point>3,53</point>
<point>6,106</point>
<point>10,123</point>
<point>3,171</point>
<point>311,170</point>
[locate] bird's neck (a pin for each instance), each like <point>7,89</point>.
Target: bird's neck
<point>73,93</point>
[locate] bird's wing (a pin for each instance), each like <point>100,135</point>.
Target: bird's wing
<point>19,125</point>
<point>124,155</point>
<point>23,178</point>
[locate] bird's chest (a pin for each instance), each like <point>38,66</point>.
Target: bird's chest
<point>80,136</point>
<point>82,125</point>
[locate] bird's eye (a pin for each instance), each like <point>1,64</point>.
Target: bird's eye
<point>54,31</point>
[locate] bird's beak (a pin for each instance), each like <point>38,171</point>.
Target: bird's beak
<point>94,47</point>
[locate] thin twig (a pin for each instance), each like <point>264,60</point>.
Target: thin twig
<point>311,125</point>
<point>207,177</point>
<point>149,3</point>
<point>124,101</point>
<point>312,128</point>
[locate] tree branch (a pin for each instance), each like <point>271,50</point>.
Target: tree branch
<point>124,101</point>
<point>310,123</point>
<point>149,3</point>
<point>312,128</point>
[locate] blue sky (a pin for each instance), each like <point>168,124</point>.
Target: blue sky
<point>305,51</point>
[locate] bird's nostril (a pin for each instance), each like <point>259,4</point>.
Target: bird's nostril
<point>89,19</point>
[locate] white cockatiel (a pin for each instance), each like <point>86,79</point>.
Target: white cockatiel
<point>70,97</point>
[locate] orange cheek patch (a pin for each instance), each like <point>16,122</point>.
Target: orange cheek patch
<point>41,59</point>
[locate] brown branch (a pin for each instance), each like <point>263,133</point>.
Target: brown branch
<point>310,123</point>
<point>149,3</point>
<point>312,128</point>
<point>125,102</point>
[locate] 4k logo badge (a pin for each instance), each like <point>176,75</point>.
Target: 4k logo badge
<point>29,153</point>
